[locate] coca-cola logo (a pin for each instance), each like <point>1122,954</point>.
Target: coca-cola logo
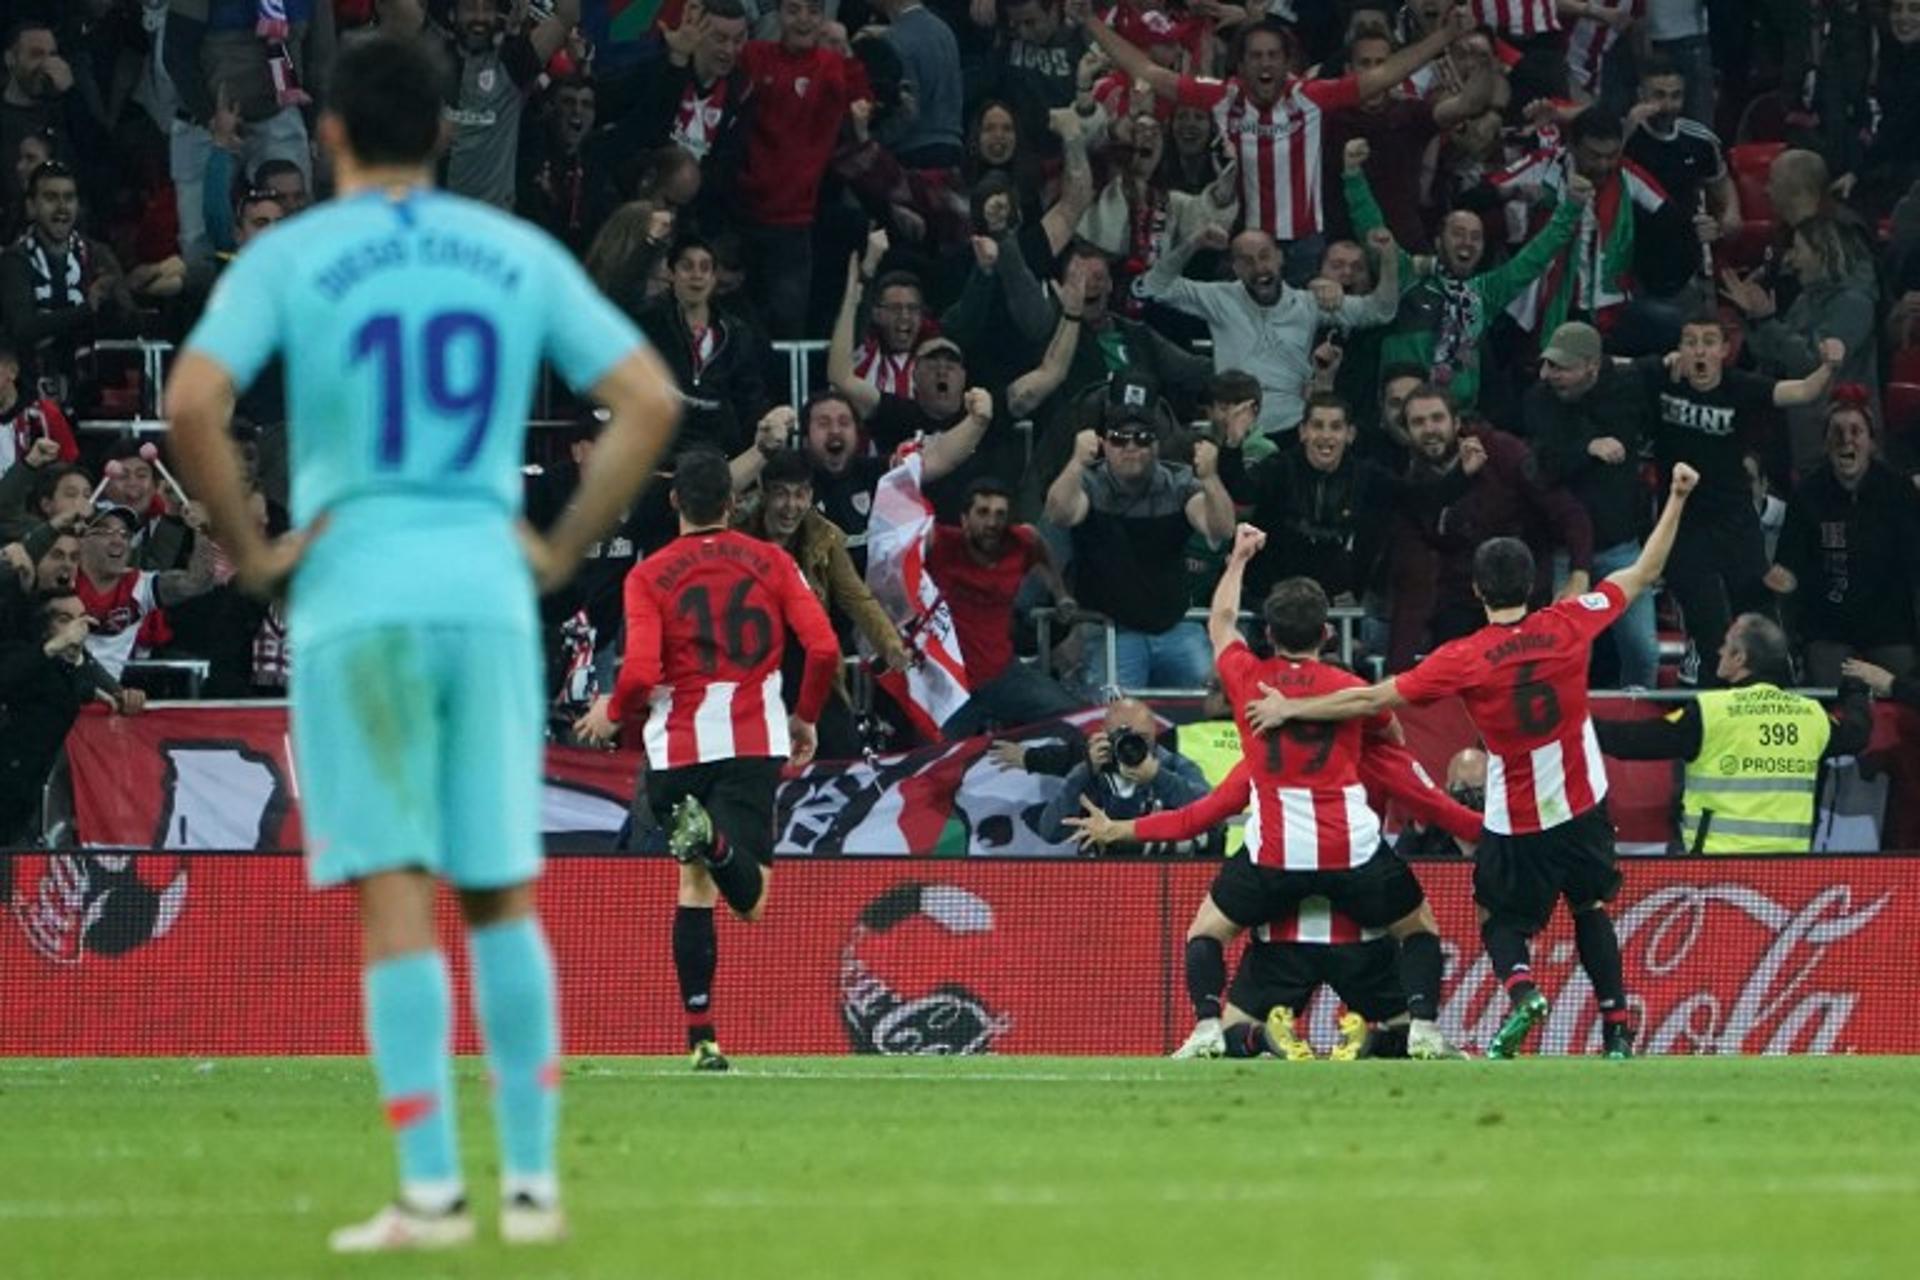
<point>1711,969</point>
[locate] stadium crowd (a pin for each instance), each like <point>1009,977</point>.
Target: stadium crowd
<point>1384,280</point>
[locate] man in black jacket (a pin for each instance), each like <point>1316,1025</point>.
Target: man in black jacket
<point>695,98</point>
<point>1849,555</point>
<point>1326,512</point>
<point>1584,419</point>
<point>45,679</point>
<point>719,359</point>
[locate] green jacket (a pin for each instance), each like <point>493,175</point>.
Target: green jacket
<point>1415,332</point>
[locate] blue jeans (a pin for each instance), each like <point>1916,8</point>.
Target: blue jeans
<point>1019,695</point>
<point>1178,658</point>
<point>1635,636</point>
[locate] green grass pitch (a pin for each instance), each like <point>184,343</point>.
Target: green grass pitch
<point>840,1168</point>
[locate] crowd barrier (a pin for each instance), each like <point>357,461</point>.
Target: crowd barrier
<point>227,953</point>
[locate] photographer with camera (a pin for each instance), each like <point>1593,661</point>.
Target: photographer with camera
<point>1126,773</point>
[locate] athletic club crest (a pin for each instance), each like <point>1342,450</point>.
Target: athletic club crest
<point>800,86</point>
<point>486,80</point>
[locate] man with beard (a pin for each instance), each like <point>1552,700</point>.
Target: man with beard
<point>1273,120</point>
<point>1449,303</point>
<point>1684,157</point>
<point>979,566</point>
<point>786,518</point>
<point>1849,556</point>
<point>718,359</point>
<point>554,183</point>
<point>1463,486</point>
<point>1035,69</point>
<point>1263,325</point>
<point>1700,413</point>
<point>696,99</point>
<point>58,287</point>
<point>1584,420</point>
<point>122,599</point>
<point>494,70</point>
<point>1326,513</point>
<point>32,102</point>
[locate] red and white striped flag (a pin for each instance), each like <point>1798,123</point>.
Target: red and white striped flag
<point>899,530</point>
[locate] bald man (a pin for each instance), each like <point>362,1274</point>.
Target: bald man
<point>1127,773</point>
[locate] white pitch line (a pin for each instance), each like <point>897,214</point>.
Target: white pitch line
<point>1004,1196</point>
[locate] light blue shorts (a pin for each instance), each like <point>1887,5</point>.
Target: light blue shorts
<point>420,746</point>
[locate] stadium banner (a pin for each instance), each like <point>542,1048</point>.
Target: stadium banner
<point>190,777</point>
<point>187,953</point>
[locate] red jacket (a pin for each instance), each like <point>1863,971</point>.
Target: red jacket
<point>28,421</point>
<point>799,102</point>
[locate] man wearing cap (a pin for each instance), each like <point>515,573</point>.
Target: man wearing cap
<point>1131,514</point>
<point>1584,418</point>
<point>119,598</point>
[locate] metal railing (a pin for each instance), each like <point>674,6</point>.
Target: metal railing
<point>1345,617</point>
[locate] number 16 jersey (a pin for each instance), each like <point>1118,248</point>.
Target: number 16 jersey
<point>1525,688</point>
<point>412,325</point>
<point>707,622</point>
<point>1309,810</point>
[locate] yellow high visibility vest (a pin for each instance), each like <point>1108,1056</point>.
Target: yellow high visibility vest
<point>1752,784</point>
<point>1214,745</point>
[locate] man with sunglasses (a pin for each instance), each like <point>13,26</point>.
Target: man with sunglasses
<point>1131,515</point>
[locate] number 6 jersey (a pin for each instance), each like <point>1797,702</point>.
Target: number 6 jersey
<point>707,622</point>
<point>1309,810</point>
<point>1525,687</point>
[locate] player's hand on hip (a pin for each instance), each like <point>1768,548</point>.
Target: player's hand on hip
<point>1269,711</point>
<point>596,727</point>
<point>805,741</point>
<point>551,570</point>
<point>263,571</point>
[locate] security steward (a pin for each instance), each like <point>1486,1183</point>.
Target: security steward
<point>1752,749</point>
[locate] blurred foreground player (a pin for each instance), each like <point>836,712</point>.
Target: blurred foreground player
<point>707,622</point>
<point>1523,678</point>
<point>412,324</point>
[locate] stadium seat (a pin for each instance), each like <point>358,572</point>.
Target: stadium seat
<point>1763,120</point>
<point>1901,405</point>
<point>1749,163</point>
<point>1904,364</point>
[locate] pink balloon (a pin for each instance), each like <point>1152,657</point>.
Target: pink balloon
<point>114,468</point>
<point>149,451</point>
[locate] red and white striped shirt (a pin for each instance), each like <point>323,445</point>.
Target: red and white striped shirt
<point>885,372</point>
<point>1522,19</point>
<point>1310,810</point>
<point>1316,923</point>
<point>1525,688</point>
<point>117,610</point>
<point>1589,41</point>
<point>1278,146</point>
<point>707,623</point>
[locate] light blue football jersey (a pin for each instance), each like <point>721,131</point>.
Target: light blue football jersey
<point>411,326</point>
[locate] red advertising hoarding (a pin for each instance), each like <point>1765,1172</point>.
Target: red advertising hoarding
<point>202,953</point>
